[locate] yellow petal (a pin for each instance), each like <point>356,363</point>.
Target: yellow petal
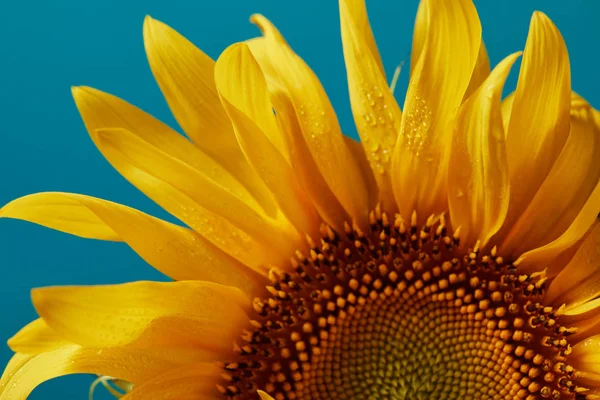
<point>318,123</point>
<point>101,110</point>
<point>585,358</point>
<point>25,372</point>
<point>507,104</point>
<point>185,76</point>
<point>200,202</point>
<point>576,311</point>
<point>36,337</point>
<point>264,396</point>
<point>376,112</point>
<point>437,86</point>
<point>175,251</point>
<point>482,67</point>
<point>584,316</point>
<point>574,175</point>
<point>239,78</point>
<point>190,382</point>
<point>539,119</point>
<point>532,259</point>
<point>478,177</point>
<point>188,314</point>
<point>480,73</point>
<point>301,159</point>
<point>358,152</point>
<point>360,18</point>
<point>245,95</point>
<point>579,281</point>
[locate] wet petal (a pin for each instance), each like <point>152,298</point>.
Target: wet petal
<point>478,180</point>
<point>376,112</point>
<point>189,314</point>
<point>318,122</point>
<point>175,251</point>
<point>245,95</point>
<point>437,86</point>
<point>204,205</point>
<point>301,159</point>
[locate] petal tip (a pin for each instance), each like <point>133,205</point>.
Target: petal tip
<point>38,296</point>
<point>149,24</point>
<point>79,93</point>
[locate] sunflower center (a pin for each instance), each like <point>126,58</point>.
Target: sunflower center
<point>401,312</point>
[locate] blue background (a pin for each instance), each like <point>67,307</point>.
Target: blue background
<point>47,46</point>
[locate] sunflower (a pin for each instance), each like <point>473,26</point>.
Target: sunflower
<point>453,253</point>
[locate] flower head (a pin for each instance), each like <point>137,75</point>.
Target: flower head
<point>452,254</point>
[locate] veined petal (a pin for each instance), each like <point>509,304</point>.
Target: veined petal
<point>245,96</point>
<point>579,281</point>
<point>190,382</point>
<point>35,338</point>
<point>301,159</point>
<point>26,371</point>
<point>318,122</point>
<point>175,251</point>
<point>203,204</point>
<point>574,175</point>
<point>185,76</point>
<point>101,110</point>
<point>437,86</point>
<point>188,314</point>
<point>478,180</point>
<point>376,112</point>
<point>539,119</point>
